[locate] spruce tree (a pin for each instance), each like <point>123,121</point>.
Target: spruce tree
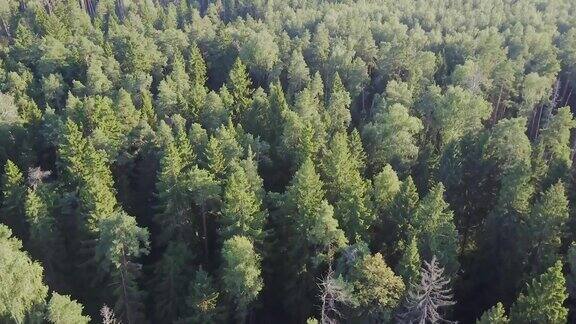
<point>546,228</point>
<point>495,315</point>
<point>242,210</point>
<point>338,109</point>
<point>543,299</point>
<point>240,85</point>
<point>347,189</point>
<point>433,225</point>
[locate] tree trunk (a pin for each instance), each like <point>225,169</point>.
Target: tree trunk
<point>123,268</point>
<point>205,229</point>
<point>6,28</point>
<point>495,116</point>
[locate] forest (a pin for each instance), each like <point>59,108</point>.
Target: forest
<point>287,161</point>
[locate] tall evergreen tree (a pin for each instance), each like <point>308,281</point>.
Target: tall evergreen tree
<point>21,287</point>
<point>347,189</point>
<point>120,241</point>
<point>544,299</point>
<point>241,274</point>
<point>13,192</point>
<point>495,315</point>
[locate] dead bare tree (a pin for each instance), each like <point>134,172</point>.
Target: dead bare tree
<point>36,176</point>
<point>108,316</point>
<point>333,293</point>
<point>425,299</point>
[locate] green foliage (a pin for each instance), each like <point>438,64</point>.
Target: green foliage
<point>241,274</point>
<point>242,210</point>
<point>391,137</point>
<point>13,191</point>
<point>543,300</point>
<point>495,315</point>
<point>21,287</point>
<point>63,310</point>
<point>377,289</point>
<point>203,299</point>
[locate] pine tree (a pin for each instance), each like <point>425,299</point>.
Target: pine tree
<point>63,310</point>
<point>425,300</point>
<point>495,315</point>
<point>21,287</point>
<point>241,274</point>
<point>120,241</point>
<point>386,187</point>
<point>205,190</point>
<point>554,144</point>
<point>544,299</point>
<point>391,137</point>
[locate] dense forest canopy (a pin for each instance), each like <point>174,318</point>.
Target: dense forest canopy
<point>260,161</point>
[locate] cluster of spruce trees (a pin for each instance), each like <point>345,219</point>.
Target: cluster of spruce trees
<point>259,161</point>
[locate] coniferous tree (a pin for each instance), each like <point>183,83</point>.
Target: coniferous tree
<point>203,299</point>
<point>546,227</point>
<point>242,210</point>
<point>426,300</point>
<point>170,275</point>
<point>21,287</point>
<point>310,222</point>
<point>241,274</point>
<point>391,137</point>
<point>120,241</point>
<point>544,299</point>
<point>240,85</point>
<point>495,315</point>
<point>62,310</point>
<point>433,225</point>
<point>13,192</point>
<point>347,189</point>
<point>376,288</point>
<point>409,265</point>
